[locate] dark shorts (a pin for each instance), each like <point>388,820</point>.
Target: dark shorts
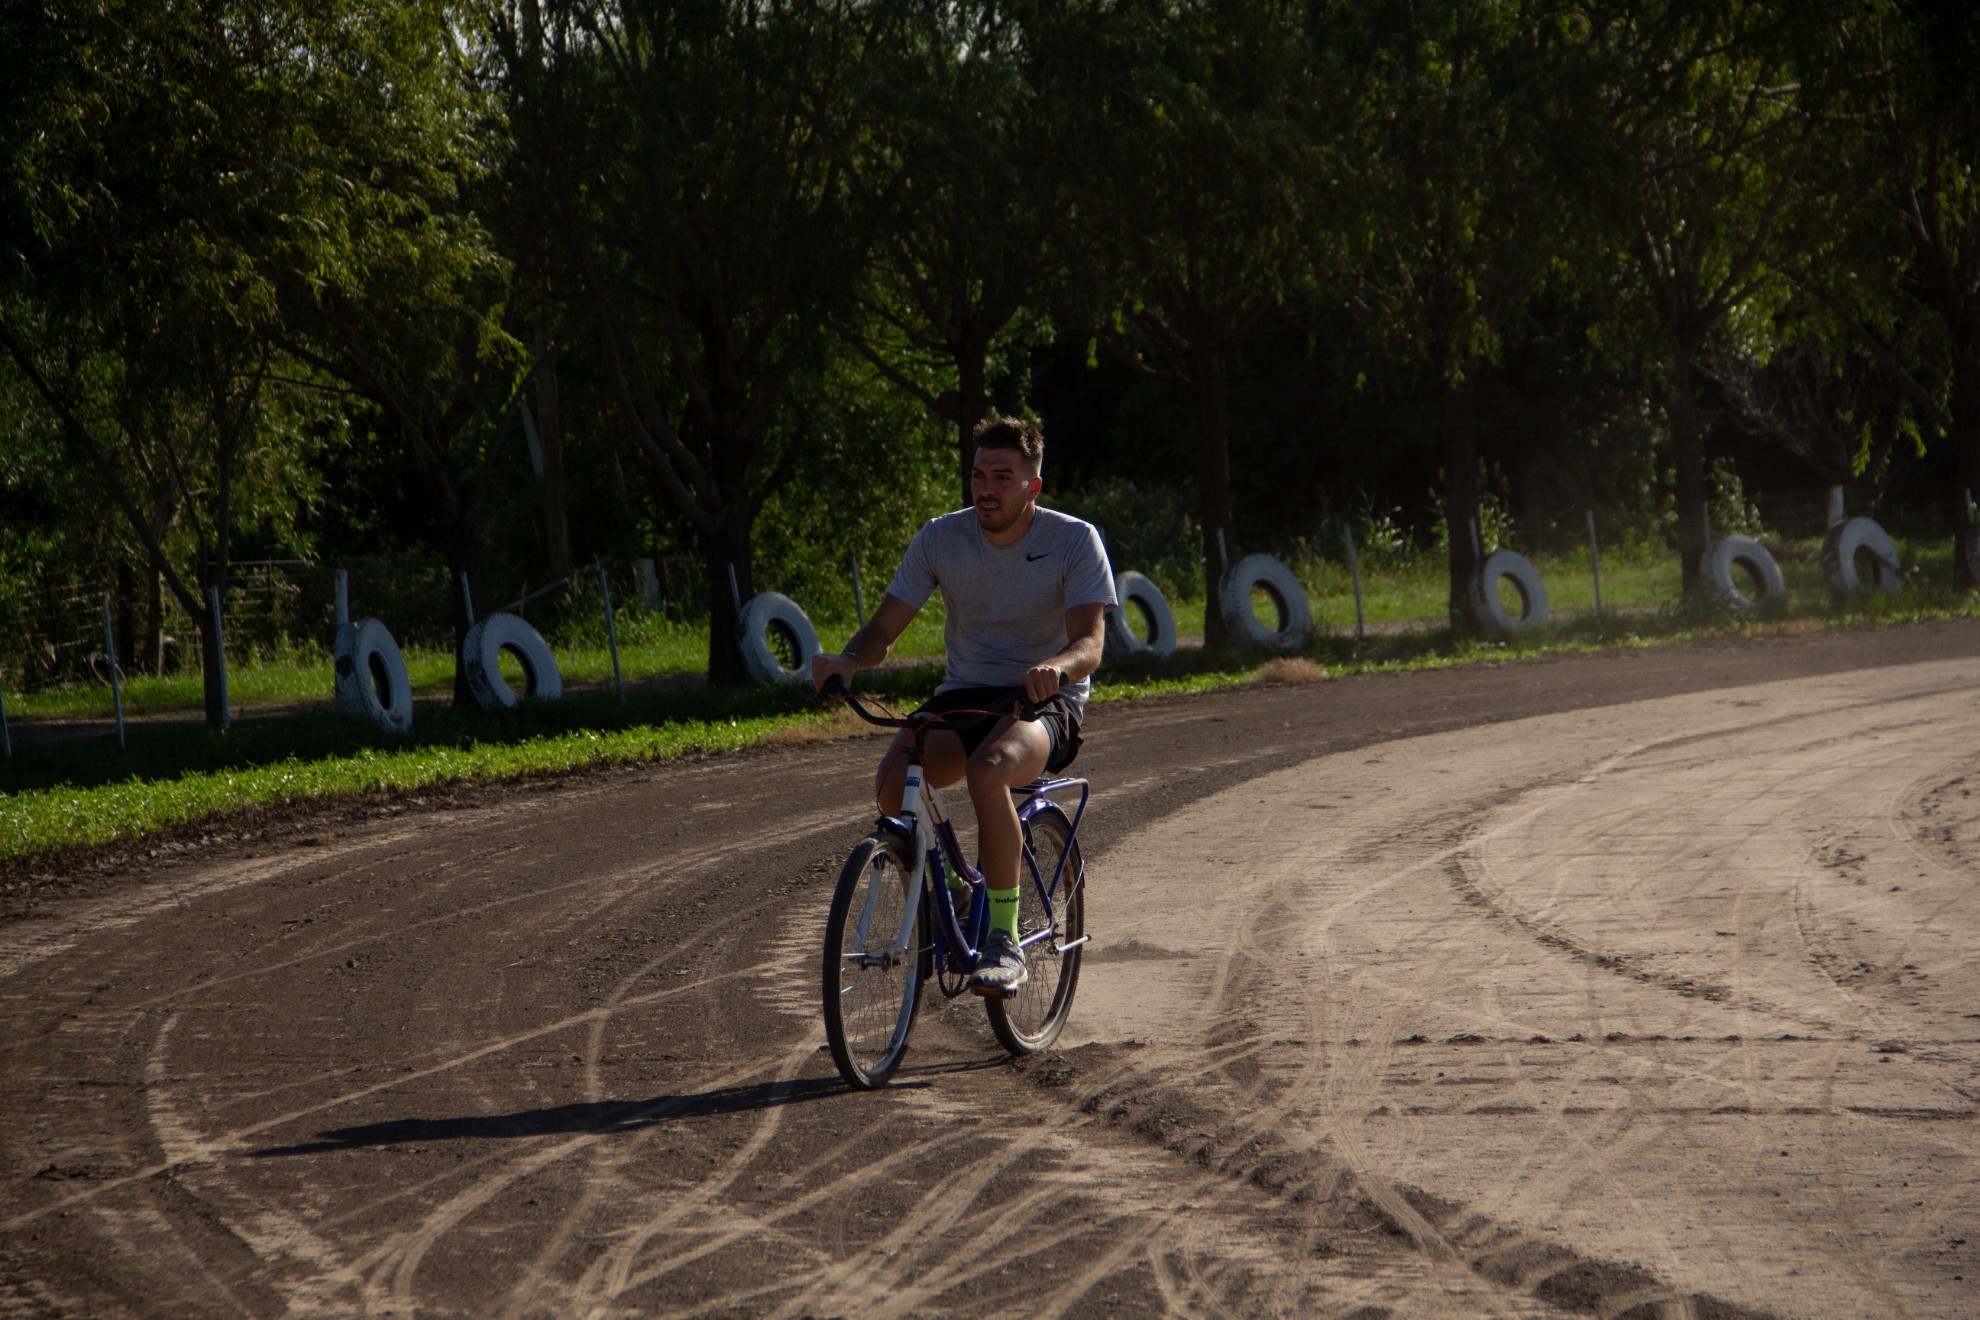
<point>1056,716</point>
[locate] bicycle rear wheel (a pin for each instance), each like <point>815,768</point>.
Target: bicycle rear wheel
<point>1032,1019</point>
<point>872,990</point>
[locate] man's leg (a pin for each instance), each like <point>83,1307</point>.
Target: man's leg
<point>1015,754</point>
<point>941,761</point>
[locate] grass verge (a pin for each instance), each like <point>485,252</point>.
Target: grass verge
<point>76,794</point>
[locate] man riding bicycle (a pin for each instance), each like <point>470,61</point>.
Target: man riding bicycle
<point>1027,592</point>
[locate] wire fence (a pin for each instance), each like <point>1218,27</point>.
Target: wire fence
<point>52,632</point>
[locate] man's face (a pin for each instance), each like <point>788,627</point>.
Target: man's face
<point>1001,487</point>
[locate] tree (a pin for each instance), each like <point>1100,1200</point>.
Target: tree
<point>1202,164</point>
<point>1699,122</point>
<point>158,174</point>
<point>399,290</point>
<point>968,194</point>
<point>722,237</point>
<point>1460,224</point>
<point>1894,255</point>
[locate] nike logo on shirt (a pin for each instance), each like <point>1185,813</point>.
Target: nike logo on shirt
<point>1032,558</point>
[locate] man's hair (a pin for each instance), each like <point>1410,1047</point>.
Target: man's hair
<point>1011,433</point>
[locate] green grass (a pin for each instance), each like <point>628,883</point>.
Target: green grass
<point>177,775</point>
<point>650,646</point>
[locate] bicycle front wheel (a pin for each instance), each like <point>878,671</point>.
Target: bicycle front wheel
<point>1032,1019</point>
<point>872,989</point>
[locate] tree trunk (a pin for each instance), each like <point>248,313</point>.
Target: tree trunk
<point>126,656</point>
<point>1457,451</point>
<point>550,439</point>
<point>212,643</point>
<point>1966,444</point>
<point>153,658</point>
<point>971,398</point>
<point>1688,464</point>
<point>728,546</point>
<point>1209,388</point>
<point>463,552</point>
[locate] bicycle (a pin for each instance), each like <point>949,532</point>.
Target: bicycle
<point>895,919</point>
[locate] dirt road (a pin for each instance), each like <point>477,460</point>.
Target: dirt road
<point>1641,984</point>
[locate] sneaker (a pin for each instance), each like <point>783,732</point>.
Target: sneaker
<point>1000,968</point>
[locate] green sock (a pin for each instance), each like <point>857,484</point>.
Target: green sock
<point>1004,911</point>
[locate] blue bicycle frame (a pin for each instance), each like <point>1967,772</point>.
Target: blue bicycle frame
<point>936,850</point>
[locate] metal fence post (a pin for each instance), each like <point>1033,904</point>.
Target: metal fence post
<point>859,601</point>
<point>220,657</point>
<point>649,584</point>
<point>1595,562</point>
<point>612,635</point>
<point>343,597</point>
<point>6,737</point>
<point>467,599</point>
<point>735,592</point>
<point>110,657</point>
<point>1354,571</point>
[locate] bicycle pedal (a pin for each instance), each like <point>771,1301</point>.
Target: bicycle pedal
<point>993,992</point>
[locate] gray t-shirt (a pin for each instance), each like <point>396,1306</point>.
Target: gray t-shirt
<point>1006,604</point>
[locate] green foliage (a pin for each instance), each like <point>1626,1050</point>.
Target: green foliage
<point>1150,529</point>
<point>274,279</point>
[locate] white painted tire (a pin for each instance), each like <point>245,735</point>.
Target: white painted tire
<point>1133,591</point>
<point>1234,602</point>
<point>770,625</point>
<point>372,683</point>
<point>1840,549</point>
<point>1728,553</point>
<point>1492,613</point>
<point>486,641</point>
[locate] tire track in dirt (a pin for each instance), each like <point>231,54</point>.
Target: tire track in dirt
<point>1636,1090</point>
<point>1211,1169</point>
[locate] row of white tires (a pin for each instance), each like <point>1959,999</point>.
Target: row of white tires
<point>1858,558</point>
<point>1508,595</point>
<point>373,686</point>
<point>778,640</point>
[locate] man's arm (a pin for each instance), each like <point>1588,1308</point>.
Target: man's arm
<point>1086,633</point>
<point>869,646</point>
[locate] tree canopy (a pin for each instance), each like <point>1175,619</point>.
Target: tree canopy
<point>741,274</point>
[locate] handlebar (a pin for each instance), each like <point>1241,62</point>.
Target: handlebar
<point>954,720</point>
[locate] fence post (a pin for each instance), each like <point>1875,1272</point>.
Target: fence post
<point>343,597</point>
<point>612,634</point>
<point>110,657</point>
<point>6,738</point>
<point>649,584</point>
<point>1354,571</point>
<point>467,599</point>
<point>859,601</point>
<point>735,592</point>
<point>220,657</point>
<point>1595,561</point>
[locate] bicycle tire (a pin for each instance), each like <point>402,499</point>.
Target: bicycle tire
<point>1031,1019</point>
<point>869,1010</point>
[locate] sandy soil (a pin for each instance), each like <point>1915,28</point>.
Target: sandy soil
<point>1634,985</point>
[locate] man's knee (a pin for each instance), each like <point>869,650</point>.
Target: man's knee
<point>1000,766</point>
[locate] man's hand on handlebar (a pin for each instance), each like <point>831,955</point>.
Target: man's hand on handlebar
<point>1041,682</point>
<point>841,666</point>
